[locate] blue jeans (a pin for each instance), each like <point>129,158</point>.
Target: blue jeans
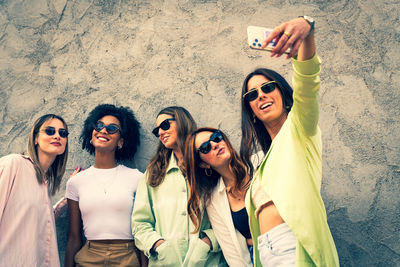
<point>251,253</point>
<point>277,247</point>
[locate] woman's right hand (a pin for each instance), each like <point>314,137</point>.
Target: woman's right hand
<point>157,244</point>
<point>290,34</point>
<point>165,254</point>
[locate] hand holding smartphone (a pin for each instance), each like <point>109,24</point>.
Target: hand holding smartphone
<point>256,35</point>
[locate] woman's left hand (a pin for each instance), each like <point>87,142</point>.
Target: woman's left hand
<point>290,34</point>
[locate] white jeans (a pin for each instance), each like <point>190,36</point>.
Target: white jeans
<point>277,247</point>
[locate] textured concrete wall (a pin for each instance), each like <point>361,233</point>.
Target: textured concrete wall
<point>66,57</point>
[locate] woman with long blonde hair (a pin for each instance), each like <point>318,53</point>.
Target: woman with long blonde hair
<point>27,227</point>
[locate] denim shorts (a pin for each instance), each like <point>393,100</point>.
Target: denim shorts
<point>277,247</point>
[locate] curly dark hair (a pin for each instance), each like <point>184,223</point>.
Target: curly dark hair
<point>129,130</point>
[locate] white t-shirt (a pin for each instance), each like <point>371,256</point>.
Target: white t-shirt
<point>105,199</point>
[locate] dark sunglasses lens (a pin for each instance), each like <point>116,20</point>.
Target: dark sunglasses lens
<point>216,137</point>
<point>50,131</point>
<point>63,133</point>
<point>112,128</point>
<point>155,132</point>
<point>165,125</point>
<point>268,88</point>
<point>205,147</point>
<point>99,126</point>
<point>252,95</point>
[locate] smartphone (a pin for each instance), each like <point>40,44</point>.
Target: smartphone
<point>256,35</point>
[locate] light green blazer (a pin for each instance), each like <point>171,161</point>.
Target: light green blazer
<point>291,174</point>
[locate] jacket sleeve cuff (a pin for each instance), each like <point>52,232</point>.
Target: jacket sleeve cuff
<point>308,67</point>
<point>150,240</point>
<point>210,234</point>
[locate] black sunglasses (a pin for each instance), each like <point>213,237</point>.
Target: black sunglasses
<point>52,131</point>
<point>111,128</point>
<point>267,87</point>
<point>163,125</point>
<point>205,147</point>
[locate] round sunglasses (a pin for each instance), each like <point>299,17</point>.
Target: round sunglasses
<point>110,128</point>
<point>216,137</point>
<point>266,87</point>
<point>63,133</point>
<point>163,125</point>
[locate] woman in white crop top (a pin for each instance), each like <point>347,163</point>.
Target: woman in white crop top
<point>219,179</point>
<point>101,197</point>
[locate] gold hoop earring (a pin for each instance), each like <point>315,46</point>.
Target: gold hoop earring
<point>209,172</point>
<point>254,118</point>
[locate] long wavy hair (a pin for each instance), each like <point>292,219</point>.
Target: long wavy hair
<point>158,165</point>
<point>56,170</point>
<point>254,134</point>
<point>202,185</point>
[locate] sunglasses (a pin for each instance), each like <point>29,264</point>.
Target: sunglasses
<point>163,125</point>
<point>205,147</point>
<point>252,94</point>
<point>63,133</point>
<point>111,128</point>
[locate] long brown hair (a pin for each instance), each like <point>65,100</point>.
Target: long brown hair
<point>56,171</point>
<point>201,185</point>
<point>254,134</point>
<point>159,163</point>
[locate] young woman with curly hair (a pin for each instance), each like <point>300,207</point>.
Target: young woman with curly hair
<point>101,197</point>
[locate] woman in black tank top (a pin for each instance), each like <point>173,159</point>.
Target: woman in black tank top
<point>219,180</point>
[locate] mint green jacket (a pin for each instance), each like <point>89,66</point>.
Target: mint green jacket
<point>161,213</point>
<point>291,174</point>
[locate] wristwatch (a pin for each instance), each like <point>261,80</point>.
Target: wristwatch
<point>310,21</point>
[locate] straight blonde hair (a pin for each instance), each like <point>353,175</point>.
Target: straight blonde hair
<point>56,171</point>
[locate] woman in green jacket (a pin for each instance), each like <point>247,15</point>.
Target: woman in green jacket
<point>160,223</point>
<point>287,215</point>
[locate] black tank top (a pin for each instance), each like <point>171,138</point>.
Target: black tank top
<point>241,222</point>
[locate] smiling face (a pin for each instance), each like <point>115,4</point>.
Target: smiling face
<point>168,137</point>
<point>268,108</point>
<point>50,145</point>
<point>104,141</point>
<point>219,155</point>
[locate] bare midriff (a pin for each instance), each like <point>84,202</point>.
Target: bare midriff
<point>269,217</point>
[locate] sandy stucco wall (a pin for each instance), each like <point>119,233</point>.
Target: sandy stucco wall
<point>66,57</point>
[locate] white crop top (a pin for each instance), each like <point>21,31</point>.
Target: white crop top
<point>105,199</point>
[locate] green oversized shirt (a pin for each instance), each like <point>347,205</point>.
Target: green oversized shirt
<point>291,174</point>
<point>161,213</point>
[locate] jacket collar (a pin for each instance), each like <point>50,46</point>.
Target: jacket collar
<point>221,185</point>
<point>172,165</point>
